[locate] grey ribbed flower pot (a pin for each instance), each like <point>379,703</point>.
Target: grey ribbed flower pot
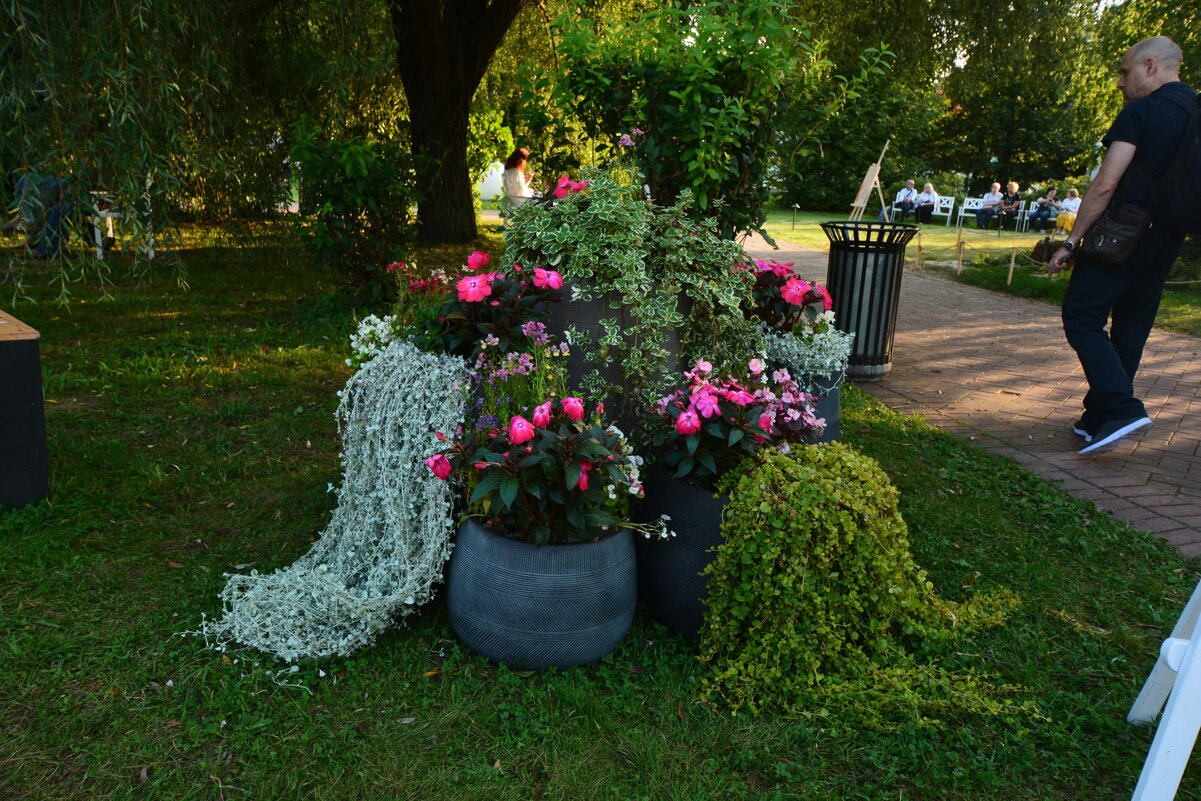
<point>532,608</point>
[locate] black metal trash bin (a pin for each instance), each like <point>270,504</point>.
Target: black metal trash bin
<point>864,279</point>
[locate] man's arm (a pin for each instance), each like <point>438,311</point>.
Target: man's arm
<point>1100,191</point>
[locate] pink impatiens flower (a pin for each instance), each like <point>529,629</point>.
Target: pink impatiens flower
<point>688,423</point>
<point>542,415</point>
<point>520,430</point>
<point>827,301</point>
<point>474,288</point>
<point>584,470</point>
<point>574,408</point>
<point>477,260</point>
<point>794,291</point>
<point>439,464</point>
<point>707,405</point>
<point>765,421</point>
<point>547,279</point>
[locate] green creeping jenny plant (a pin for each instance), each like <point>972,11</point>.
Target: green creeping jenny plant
<point>815,602</point>
<point>658,269</point>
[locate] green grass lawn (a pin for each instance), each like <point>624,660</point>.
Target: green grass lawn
<point>191,431</point>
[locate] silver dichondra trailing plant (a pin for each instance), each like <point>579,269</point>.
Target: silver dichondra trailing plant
<point>389,537</point>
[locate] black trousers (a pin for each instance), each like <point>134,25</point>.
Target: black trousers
<point>1129,294</point>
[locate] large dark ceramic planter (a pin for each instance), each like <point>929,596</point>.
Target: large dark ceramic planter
<point>669,580</point>
<point>533,608</point>
<point>585,316</point>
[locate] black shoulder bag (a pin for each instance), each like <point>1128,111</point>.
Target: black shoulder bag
<point>1114,236</point>
<point>1116,233</point>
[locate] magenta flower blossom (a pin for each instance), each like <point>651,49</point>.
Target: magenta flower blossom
<point>827,301</point>
<point>585,468</point>
<point>703,367</point>
<point>396,265</point>
<point>439,464</point>
<point>547,279</point>
<point>542,415</point>
<point>688,423</point>
<point>707,405</point>
<point>573,408</point>
<point>474,288</point>
<point>794,291</point>
<point>477,260</point>
<point>520,430</point>
<point>765,421</point>
<point>565,186</point>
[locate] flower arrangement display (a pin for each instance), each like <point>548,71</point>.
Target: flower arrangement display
<point>492,307</point>
<point>796,322</point>
<point>554,475</point>
<point>505,383</point>
<point>711,424</point>
<point>639,260</point>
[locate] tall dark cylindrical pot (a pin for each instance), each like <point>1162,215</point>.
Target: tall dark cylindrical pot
<point>828,390</point>
<point>532,608</point>
<point>669,579</point>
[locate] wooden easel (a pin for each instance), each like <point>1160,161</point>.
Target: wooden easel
<point>872,179</point>
<point>1176,678</point>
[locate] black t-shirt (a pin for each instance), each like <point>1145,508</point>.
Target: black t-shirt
<point>1154,125</point>
<point>1009,200</point>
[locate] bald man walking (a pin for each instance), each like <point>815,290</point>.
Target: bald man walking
<point>1142,140</point>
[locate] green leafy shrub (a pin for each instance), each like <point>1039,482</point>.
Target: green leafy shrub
<point>609,241</point>
<point>358,202</point>
<point>815,602</point>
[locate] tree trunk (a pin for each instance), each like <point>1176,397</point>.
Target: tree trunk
<point>445,211</point>
<point>443,48</point>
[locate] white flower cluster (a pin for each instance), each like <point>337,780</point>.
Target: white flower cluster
<point>390,535</point>
<point>819,351</point>
<point>372,337</point>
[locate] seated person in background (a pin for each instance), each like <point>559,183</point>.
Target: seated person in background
<point>1011,201</point>
<point>514,181</point>
<point>927,199</point>
<point>990,206</point>
<point>906,200</point>
<point>1044,207</point>
<point>1067,212</point>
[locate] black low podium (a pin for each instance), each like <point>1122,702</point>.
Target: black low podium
<point>24,472</point>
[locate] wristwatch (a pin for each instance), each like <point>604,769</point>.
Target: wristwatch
<point>1068,246</point>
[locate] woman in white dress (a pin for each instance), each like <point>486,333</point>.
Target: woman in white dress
<point>514,180</point>
<point>926,201</point>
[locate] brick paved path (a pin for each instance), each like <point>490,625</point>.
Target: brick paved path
<point>996,370</point>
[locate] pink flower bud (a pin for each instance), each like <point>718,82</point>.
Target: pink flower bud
<point>439,464</point>
<point>542,415</point>
<point>573,408</point>
<point>688,423</point>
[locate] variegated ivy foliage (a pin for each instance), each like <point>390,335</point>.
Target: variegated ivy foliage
<point>816,356</point>
<point>385,547</point>
<point>658,269</point>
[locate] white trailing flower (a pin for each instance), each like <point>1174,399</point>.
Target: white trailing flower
<point>390,535</point>
<point>810,357</point>
<point>374,334</point>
